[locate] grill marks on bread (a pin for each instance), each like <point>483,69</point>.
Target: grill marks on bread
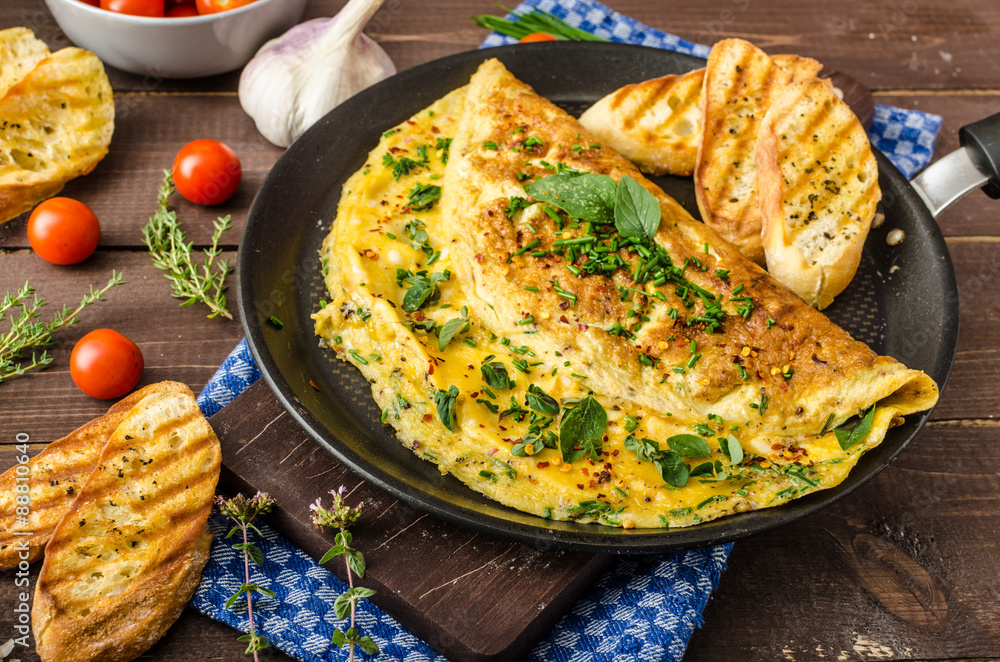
<point>740,82</point>
<point>57,475</point>
<point>655,124</point>
<point>818,183</point>
<point>127,556</point>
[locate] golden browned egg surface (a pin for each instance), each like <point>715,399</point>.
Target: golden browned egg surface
<point>489,342</point>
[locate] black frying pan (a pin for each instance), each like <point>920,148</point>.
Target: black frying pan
<point>903,301</point>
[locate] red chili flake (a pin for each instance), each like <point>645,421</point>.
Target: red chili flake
<point>582,327</point>
<point>430,367</point>
<point>313,384</point>
<point>592,483</point>
<point>542,465</point>
<point>614,453</point>
<point>579,486</point>
<point>427,418</point>
<point>419,316</point>
<point>434,129</point>
<point>395,150</point>
<point>479,257</point>
<point>584,471</point>
<point>474,394</point>
<point>492,451</point>
<point>411,122</point>
<point>562,318</point>
<point>564,305</point>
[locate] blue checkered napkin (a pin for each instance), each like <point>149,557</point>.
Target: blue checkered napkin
<point>906,137</point>
<point>642,608</point>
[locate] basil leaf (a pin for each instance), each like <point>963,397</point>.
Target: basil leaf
<point>541,401</point>
<point>445,401</point>
<point>731,449</point>
<point>495,374</point>
<point>672,469</point>
<point>637,213</point>
<point>847,439</point>
<point>417,296</point>
<point>703,469</point>
<point>590,197</point>
<point>646,450</point>
<point>452,326</point>
<point>689,445</point>
<point>585,422</point>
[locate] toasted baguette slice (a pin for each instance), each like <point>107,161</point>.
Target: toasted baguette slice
<point>126,558</point>
<point>656,124</point>
<point>55,477</point>
<point>818,187</point>
<point>20,51</point>
<point>55,124</point>
<point>740,81</point>
<point>801,68</point>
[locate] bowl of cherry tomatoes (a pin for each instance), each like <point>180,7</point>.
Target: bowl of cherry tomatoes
<point>175,38</point>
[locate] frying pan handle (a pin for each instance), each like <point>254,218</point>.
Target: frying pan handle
<point>983,140</point>
<point>974,165</point>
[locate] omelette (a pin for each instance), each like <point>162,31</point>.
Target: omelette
<point>542,322</point>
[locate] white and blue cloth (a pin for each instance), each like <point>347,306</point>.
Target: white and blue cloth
<point>643,608</point>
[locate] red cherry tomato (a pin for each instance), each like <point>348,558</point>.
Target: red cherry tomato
<point>207,172</point>
<point>182,12</point>
<point>215,6</point>
<point>537,36</point>
<point>63,231</point>
<point>105,364</point>
<point>135,7</point>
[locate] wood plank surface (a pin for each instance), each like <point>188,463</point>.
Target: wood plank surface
<point>471,596</point>
<point>903,569</point>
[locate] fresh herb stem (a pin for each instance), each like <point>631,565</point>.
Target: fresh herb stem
<point>242,512</point>
<point>171,252</point>
<point>340,516</point>
<point>27,334</point>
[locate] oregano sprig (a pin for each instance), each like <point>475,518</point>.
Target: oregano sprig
<point>340,516</point>
<point>22,310</point>
<point>242,512</point>
<point>171,252</point>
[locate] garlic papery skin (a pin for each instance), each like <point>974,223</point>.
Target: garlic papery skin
<point>297,78</point>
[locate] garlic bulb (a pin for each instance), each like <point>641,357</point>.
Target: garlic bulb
<point>297,78</point>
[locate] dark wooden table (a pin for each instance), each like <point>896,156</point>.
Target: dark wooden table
<point>905,568</point>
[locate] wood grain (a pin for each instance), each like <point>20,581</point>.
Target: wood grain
<point>894,571</point>
<point>471,596</point>
<point>905,568</point>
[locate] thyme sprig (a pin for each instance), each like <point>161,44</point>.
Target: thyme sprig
<point>21,310</point>
<point>242,512</point>
<point>171,252</point>
<point>340,516</point>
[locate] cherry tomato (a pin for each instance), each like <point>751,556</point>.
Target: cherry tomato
<point>215,6</point>
<point>207,172</point>
<point>105,364</point>
<point>537,36</point>
<point>182,12</point>
<point>135,7</point>
<point>63,231</point>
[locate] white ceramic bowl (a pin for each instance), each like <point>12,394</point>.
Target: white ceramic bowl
<point>176,47</point>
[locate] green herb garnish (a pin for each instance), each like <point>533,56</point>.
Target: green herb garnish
<point>445,403</point>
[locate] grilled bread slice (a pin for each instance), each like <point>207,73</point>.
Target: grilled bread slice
<point>801,68</point>
<point>55,124</point>
<point>740,81</point>
<point>20,51</point>
<point>126,558</point>
<point>818,186</point>
<point>655,124</point>
<point>55,476</point>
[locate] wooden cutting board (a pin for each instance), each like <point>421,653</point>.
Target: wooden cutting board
<point>470,596</point>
